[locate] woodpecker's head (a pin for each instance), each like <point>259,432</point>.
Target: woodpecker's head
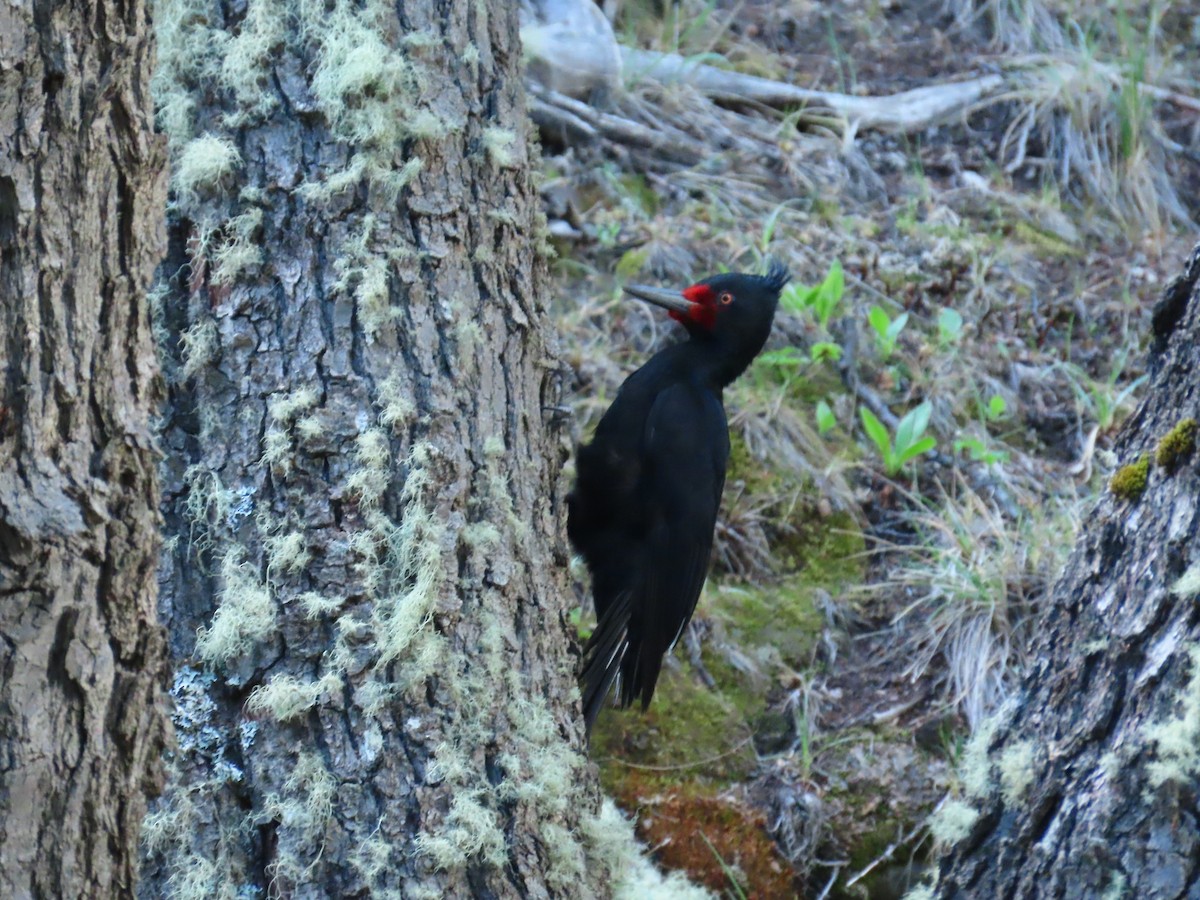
<point>733,311</point>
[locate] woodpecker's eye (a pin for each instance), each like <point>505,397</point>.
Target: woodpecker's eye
<point>726,298</point>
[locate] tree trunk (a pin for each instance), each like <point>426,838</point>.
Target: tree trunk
<point>1086,785</point>
<point>82,186</point>
<point>365,593</point>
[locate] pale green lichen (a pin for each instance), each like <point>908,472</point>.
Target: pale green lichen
<point>277,450</point>
<point>303,811</point>
<point>619,863</point>
<point>248,57</point>
<point>245,616</point>
<point>1176,739</point>
<point>285,408</point>
<point>976,767</point>
<point>317,605</point>
<point>1016,770</point>
<point>236,250</point>
<point>372,857</point>
<point>202,163</point>
<point>198,347</point>
<point>952,822</point>
<point>397,407</point>
<point>285,697</point>
<point>287,553</point>
<point>363,273</point>
<point>501,147</point>
<point>1187,586</point>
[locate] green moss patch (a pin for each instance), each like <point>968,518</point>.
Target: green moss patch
<point>1176,445</point>
<point>1129,482</point>
<point>689,731</point>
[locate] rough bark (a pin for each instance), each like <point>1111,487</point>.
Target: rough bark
<point>82,187</point>
<point>365,598</point>
<point>1086,785</point>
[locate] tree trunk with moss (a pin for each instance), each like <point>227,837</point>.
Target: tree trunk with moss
<point>82,718</point>
<point>1086,784</point>
<point>365,585</point>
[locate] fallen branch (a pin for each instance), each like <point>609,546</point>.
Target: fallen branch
<point>904,112</point>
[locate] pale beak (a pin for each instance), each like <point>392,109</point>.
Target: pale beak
<point>672,300</point>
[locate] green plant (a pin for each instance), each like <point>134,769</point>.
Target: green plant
<point>996,407</point>
<point>735,888</point>
<point>1102,398</point>
<point>823,350</point>
<point>950,326</point>
<point>822,299</point>
<point>979,451</point>
<point>887,330</point>
<point>908,442</point>
<point>826,420</point>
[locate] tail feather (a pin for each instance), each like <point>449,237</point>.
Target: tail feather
<point>604,657</point>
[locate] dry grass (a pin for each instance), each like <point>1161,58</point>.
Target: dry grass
<point>969,589</point>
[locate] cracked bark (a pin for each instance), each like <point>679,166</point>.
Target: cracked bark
<point>466,348</point>
<point>82,187</point>
<point>1114,661</point>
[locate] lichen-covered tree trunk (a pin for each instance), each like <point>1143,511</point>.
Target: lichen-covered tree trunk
<point>1087,784</point>
<point>364,589</point>
<point>82,188</point>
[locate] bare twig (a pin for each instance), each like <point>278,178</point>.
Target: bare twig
<point>892,848</point>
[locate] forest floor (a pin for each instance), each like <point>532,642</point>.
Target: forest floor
<point>993,278</point>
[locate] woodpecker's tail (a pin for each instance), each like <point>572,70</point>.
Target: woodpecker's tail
<point>603,655</point>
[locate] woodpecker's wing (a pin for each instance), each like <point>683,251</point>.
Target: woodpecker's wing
<point>685,449</point>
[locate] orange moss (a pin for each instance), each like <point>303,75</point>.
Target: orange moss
<point>680,824</point>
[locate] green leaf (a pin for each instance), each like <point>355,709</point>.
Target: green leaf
<point>824,350</point>
<point>916,449</point>
<point>996,407</point>
<point>829,294</point>
<point>834,284</point>
<point>826,420</point>
<point>781,358</point>
<point>950,324</point>
<point>876,431</point>
<point>879,321</point>
<point>895,327</point>
<point>797,298</point>
<point>912,426</point>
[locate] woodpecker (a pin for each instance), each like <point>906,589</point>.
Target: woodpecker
<point>648,486</point>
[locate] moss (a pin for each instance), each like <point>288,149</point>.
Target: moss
<point>1176,444</point>
<point>621,867</point>
<point>1129,481</point>
<point>693,730</point>
<point>781,621</point>
<point>719,841</point>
